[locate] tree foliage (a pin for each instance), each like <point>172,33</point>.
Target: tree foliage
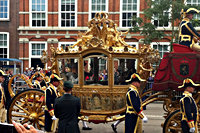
<point>164,11</point>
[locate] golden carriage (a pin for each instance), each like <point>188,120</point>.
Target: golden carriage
<point>98,65</point>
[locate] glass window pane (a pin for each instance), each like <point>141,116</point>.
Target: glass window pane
<point>33,8</point>
<point>63,8</point>
<point>1,36</point>
<point>5,43</point>
<point>103,7</point>
<point>33,16</point>
<point>38,52</point>
<point>124,1</point>
<point>98,8</point>
<point>42,46</point>
<point>124,7</point>
<point>1,43</point>
<point>67,7</point>
<point>43,8</point>
<point>72,7</point>
<point>93,7</point>
<point>38,46</point>
<point>33,52</point>
<point>38,8</point>
<point>33,46</point>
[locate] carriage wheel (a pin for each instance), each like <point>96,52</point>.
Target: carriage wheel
<point>28,107</point>
<point>18,77</point>
<point>173,123</point>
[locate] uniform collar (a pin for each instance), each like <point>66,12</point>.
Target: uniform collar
<point>186,19</point>
<point>186,93</point>
<point>132,87</point>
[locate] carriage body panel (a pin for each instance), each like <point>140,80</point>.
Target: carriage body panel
<point>175,67</point>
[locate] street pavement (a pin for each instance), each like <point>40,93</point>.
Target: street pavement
<point>154,112</point>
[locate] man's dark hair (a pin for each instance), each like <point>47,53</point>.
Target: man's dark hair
<point>68,86</point>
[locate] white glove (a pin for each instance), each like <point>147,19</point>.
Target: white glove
<point>145,119</point>
<point>53,117</point>
<point>192,130</point>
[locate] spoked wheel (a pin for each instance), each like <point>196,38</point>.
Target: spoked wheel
<point>173,123</point>
<point>28,107</point>
<point>17,83</point>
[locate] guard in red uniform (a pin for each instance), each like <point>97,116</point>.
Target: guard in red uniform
<point>189,110</point>
<point>134,111</point>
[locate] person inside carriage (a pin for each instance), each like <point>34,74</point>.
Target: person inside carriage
<point>188,36</point>
<point>189,110</point>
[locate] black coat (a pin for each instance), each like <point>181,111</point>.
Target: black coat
<point>67,109</point>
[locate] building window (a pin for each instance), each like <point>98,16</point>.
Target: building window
<point>4,47</point>
<point>194,3</point>
<point>98,6</point>
<point>38,13</point>
<point>4,9</point>
<point>162,47</point>
<point>129,8</point>
<point>35,53</point>
<point>64,44</point>
<point>37,49</point>
<point>68,13</point>
<point>161,23</point>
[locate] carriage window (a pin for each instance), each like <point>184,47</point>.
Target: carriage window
<point>95,69</point>
<point>123,69</point>
<point>69,70</point>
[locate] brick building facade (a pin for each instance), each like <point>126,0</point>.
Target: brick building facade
<point>9,44</point>
<point>43,23</point>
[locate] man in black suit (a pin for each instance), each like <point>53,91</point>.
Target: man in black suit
<point>67,109</point>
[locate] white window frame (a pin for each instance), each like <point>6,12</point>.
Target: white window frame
<point>8,38</point>
<point>31,12</point>
<point>133,43</point>
<point>30,50</point>
<point>121,12</point>
<point>161,43</point>
<point>59,15</point>
<point>8,13</point>
<point>65,43</point>
<point>90,9</point>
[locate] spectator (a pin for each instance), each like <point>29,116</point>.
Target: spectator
<point>25,128</point>
<point>67,109</point>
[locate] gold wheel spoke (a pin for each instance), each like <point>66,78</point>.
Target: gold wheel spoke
<point>25,121</point>
<point>22,108</point>
<point>40,105</point>
<point>41,114</point>
<point>41,118</point>
<point>38,125</point>
<point>41,123</point>
<point>28,105</point>
<point>17,115</point>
